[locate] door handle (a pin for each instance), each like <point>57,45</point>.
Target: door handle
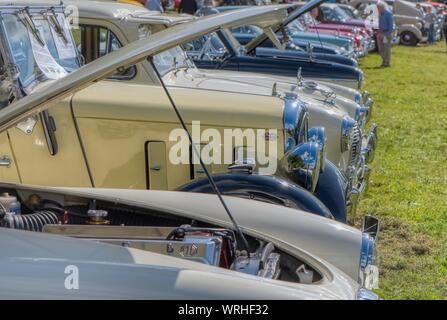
<point>156,168</point>
<point>5,161</point>
<point>49,128</point>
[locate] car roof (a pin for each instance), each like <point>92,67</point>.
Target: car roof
<point>107,10</point>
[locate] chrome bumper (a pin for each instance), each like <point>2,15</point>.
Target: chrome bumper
<point>358,176</point>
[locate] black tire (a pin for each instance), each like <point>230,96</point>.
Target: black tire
<point>408,38</point>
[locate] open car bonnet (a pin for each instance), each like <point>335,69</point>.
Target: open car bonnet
<point>253,44</point>
<point>131,54</point>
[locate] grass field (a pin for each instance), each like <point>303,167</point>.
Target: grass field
<point>408,190</point>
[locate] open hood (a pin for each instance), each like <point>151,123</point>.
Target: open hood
<point>133,53</point>
<point>253,44</point>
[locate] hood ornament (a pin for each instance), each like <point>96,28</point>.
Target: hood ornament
<point>329,95</point>
<point>274,90</point>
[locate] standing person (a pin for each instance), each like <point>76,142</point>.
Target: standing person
<point>206,9</point>
<point>384,36</point>
<point>154,5</point>
<point>430,18</point>
<point>188,6</point>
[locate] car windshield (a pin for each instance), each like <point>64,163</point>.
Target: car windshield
<point>208,47</point>
<point>38,57</point>
<point>295,26</point>
<point>172,59</point>
<point>249,29</point>
<point>307,20</point>
<point>352,13</point>
<point>335,14</point>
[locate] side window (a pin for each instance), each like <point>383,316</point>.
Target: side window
<point>94,42</point>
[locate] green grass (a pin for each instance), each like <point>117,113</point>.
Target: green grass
<point>408,189</point>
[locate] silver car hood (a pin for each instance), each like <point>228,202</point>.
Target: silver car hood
<point>132,54</point>
<point>298,230</point>
<point>337,243</point>
<point>108,271</point>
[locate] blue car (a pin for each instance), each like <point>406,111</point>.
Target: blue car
<point>322,43</point>
<point>221,50</point>
<point>297,48</point>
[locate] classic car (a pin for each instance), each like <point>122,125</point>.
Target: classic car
<point>366,41</point>
<point>427,7</point>
<point>297,48</point>
<point>409,20</point>
<point>331,13</point>
<point>167,223</point>
<point>87,129</point>
<point>172,245</point>
<point>245,58</point>
<point>323,110</point>
<point>342,44</point>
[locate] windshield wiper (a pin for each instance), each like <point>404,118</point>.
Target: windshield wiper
<point>202,164</point>
<point>25,17</point>
<point>51,17</point>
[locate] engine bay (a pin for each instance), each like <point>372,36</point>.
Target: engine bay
<point>149,230</point>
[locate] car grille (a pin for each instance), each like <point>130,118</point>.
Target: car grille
<point>356,145</point>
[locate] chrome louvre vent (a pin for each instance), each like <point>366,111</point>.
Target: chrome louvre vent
<point>356,145</point>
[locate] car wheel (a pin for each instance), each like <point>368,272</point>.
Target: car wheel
<point>408,39</point>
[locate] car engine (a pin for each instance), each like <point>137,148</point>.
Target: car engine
<point>158,232</point>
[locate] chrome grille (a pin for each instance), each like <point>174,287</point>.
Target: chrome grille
<point>356,145</point>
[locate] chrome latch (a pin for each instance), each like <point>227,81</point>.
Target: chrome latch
<point>243,165</point>
<point>5,161</point>
<point>27,126</point>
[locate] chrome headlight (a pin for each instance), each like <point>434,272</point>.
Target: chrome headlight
<point>369,261</point>
<point>295,121</point>
<point>358,98</point>
<point>302,165</point>
<point>365,294</point>
<point>318,135</point>
<point>365,97</point>
<point>347,128</point>
<point>361,116</point>
<point>360,78</point>
<point>369,269</point>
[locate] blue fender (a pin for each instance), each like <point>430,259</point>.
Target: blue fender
<point>332,190</point>
<point>263,188</point>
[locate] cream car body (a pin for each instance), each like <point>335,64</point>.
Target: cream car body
<point>326,110</point>
<point>134,23</point>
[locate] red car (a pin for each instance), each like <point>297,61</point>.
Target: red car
<point>362,36</point>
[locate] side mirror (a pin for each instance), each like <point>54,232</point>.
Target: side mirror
<point>370,226</point>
